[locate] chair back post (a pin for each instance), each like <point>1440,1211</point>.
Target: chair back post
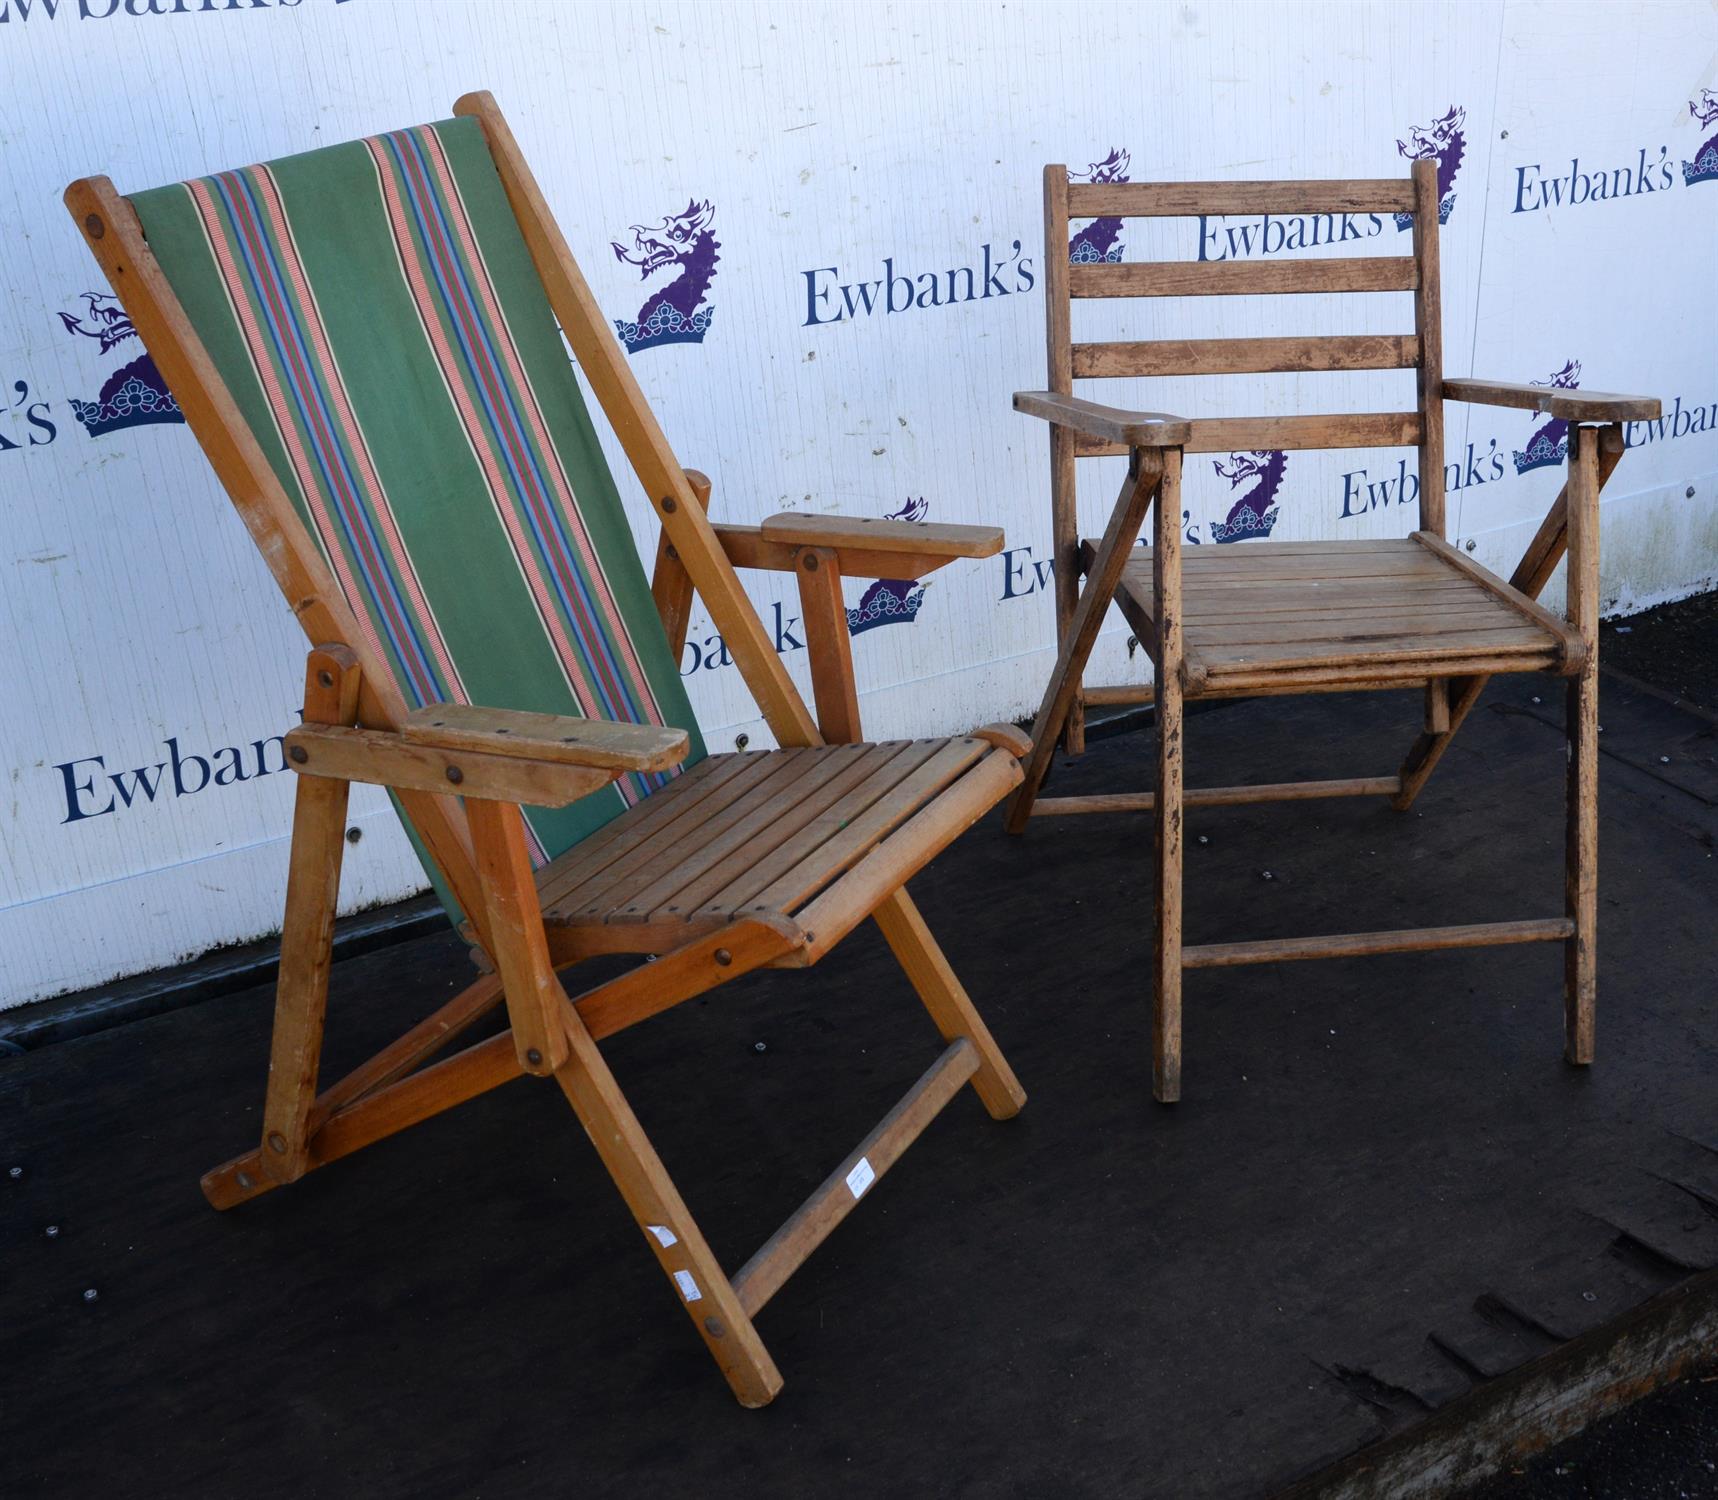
<point>1064,503</point>
<point>1428,328</point>
<point>665,482</point>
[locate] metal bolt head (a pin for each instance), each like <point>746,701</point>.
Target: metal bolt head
<point>715,1328</point>
<point>277,1143</point>
<point>52,1231</point>
<point>1204,838</point>
<point>245,1180</point>
<point>353,834</point>
<point>326,679</point>
<point>668,505</point>
<point>760,1047</point>
<point>1266,875</point>
<point>1689,492</point>
<point>741,741</point>
<point>455,775</point>
<point>1470,544</point>
<point>94,227</point>
<point>90,1294</point>
<point>298,755</point>
<point>534,1057</point>
<point>810,562</point>
<point>14,1172</point>
<point>723,957</point>
<point>1664,760</point>
<point>1537,698</point>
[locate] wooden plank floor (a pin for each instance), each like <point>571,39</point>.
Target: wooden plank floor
<point>1383,1187</point>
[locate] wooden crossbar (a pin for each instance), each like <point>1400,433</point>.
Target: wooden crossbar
<point>1182,200</point>
<point>1360,944</point>
<point>1365,429</point>
<point>1138,358</point>
<point>1194,278</point>
<point>790,1246</point>
<point>1221,796</point>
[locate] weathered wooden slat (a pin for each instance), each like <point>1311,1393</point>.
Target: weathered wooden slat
<point>1371,429</point>
<point>1220,796</point>
<point>1179,200</point>
<point>546,737</point>
<point>1359,944</point>
<point>1192,278</point>
<point>789,1247</point>
<point>1151,357</point>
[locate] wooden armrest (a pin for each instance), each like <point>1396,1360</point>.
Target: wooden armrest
<point>597,743</point>
<point>916,538</point>
<point>1110,424</point>
<point>1567,405</point>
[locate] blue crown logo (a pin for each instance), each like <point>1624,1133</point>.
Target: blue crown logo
<point>134,395</point>
<point>676,313</point>
<point>1550,441</point>
<point>1704,167</point>
<point>891,601</point>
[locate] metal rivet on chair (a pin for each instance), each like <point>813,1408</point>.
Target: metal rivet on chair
<point>668,505</point>
<point>741,741</point>
<point>455,775</point>
<point>277,1143</point>
<point>354,834</point>
<point>245,1181</point>
<point>715,1328</point>
<point>95,227</point>
<point>299,754</point>
<point>723,957</point>
<point>90,1294</point>
<point>810,562</point>
<point>52,1231</point>
<point>534,1057</point>
<point>325,678</point>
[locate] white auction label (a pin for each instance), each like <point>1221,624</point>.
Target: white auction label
<point>664,1235</point>
<point>688,1287</point>
<point>861,1177</point>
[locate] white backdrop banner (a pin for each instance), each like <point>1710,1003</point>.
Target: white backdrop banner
<point>818,232</point>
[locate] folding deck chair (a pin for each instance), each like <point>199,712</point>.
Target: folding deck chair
<point>1263,618</point>
<point>364,341</point>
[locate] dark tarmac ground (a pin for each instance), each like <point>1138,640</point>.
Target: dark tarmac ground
<point>1383,1188</point>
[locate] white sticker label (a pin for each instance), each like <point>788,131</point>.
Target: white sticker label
<point>688,1287</point>
<point>664,1235</point>
<point>861,1177</point>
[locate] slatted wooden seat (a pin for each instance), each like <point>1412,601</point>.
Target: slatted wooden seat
<point>1282,614</point>
<point>758,834</point>
<point>1249,616</point>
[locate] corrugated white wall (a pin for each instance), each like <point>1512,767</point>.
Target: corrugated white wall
<point>858,160</point>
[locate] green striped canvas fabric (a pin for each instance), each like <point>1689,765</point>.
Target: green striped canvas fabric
<point>374,310</point>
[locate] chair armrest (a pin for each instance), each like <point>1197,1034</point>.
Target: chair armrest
<point>858,533</point>
<point>598,744</point>
<point>1109,424</point>
<point>1566,405</point>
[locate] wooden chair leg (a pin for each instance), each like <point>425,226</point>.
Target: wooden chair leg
<point>1166,1005</point>
<point>307,930</point>
<point>1581,852</point>
<point>948,1003</point>
<point>662,1216</point>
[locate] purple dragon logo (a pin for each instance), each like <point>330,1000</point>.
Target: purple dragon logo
<point>891,601</point>
<point>675,313</point>
<point>1704,167</point>
<point>135,394</point>
<point>1550,441</point>
<point>1099,241</point>
<point>1256,511</point>
<point>1443,142</point>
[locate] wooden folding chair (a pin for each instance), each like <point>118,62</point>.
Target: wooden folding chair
<point>364,341</point>
<point>1263,617</point>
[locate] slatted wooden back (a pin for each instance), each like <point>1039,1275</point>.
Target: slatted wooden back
<point>1420,350</point>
